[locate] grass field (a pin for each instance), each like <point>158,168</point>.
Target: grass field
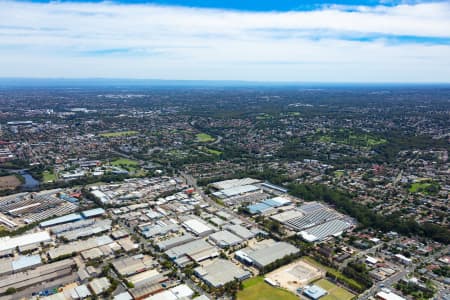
<point>263,116</point>
<point>256,289</point>
<point>333,272</point>
<point>9,182</point>
<point>130,165</point>
<point>352,139</point>
<point>119,133</point>
<point>334,292</point>
<point>428,188</point>
<point>204,138</point>
<point>124,162</point>
<point>212,151</point>
<point>48,176</point>
<point>339,174</point>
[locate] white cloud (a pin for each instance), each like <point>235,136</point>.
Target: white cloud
<point>147,41</point>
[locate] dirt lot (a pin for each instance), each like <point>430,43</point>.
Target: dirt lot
<point>295,275</point>
<point>9,182</point>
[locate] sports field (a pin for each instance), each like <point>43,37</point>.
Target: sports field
<point>204,138</point>
<point>119,133</point>
<point>334,292</point>
<point>256,289</point>
<point>48,176</point>
<point>130,165</point>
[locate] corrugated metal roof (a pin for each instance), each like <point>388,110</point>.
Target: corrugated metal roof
<point>93,212</point>
<point>25,262</point>
<point>61,220</point>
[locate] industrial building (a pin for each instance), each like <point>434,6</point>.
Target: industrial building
<point>61,220</point>
<point>94,228</point>
<point>264,253</point>
<point>197,227</point>
<point>147,277</point>
<point>181,292</point>
<point>388,295</point>
<point>35,207</point>
<point>128,266</point>
<point>228,184</point>
<point>312,219</point>
<point>225,239</point>
<point>21,263</point>
<point>175,241</point>
<point>79,246</point>
<point>152,229</point>
<point>197,251</point>
<point>99,285</point>
<point>219,272</point>
<point>322,231</point>
<point>240,231</point>
<point>47,272</point>
<point>96,212</point>
<point>273,188</point>
<point>235,191</point>
<point>10,243</point>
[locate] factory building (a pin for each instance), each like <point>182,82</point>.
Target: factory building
<point>219,272</point>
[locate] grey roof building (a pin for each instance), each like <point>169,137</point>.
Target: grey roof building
<point>225,239</point>
<point>219,272</point>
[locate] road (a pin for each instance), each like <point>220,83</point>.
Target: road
<point>148,246</point>
<point>391,281</point>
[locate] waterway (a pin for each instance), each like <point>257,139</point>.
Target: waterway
<point>30,183</point>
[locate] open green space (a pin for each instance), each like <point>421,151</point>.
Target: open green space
<point>48,176</point>
<point>338,173</point>
<point>256,289</point>
<point>334,273</point>
<point>130,165</point>
<point>352,139</point>
<point>124,162</point>
<point>428,188</point>
<point>119,133</point>
<point>334,292</point>
<point>204,138</point>
<point>263,116</point>
<point>212,151</point>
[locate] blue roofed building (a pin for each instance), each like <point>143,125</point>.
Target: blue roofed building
<point>258,208</point>
<point>314,292</point>
<point>26,262</point>
<point>93,212</point>
<point>61,220</point>
<point>277,201</point>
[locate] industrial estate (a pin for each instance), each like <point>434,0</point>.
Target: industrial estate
<point>195,194</point>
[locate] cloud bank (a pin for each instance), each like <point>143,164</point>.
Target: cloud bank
<point>403,43</point>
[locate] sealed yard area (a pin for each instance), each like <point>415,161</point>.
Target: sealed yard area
<point>295,275</point>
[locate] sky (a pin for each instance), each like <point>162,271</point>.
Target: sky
<point>373,41</point>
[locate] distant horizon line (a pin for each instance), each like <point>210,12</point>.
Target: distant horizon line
<point>92,81</point>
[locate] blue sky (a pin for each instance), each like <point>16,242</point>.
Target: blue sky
<point>265,40</point>
<point>254,5</point>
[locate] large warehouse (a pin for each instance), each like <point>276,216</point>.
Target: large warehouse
<point>219,272</point>
<point>8,243</point>
<point>263,254</point>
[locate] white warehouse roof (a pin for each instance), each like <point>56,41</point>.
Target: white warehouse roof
<point>8,243</point>
<point>197,227</point>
